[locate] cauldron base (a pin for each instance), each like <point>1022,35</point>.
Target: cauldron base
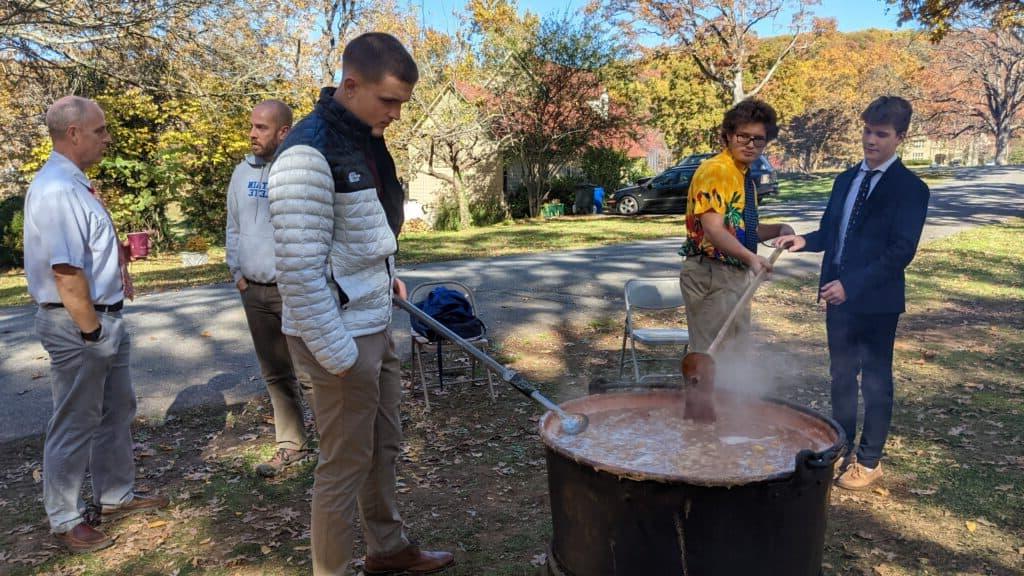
<point>551,567</point>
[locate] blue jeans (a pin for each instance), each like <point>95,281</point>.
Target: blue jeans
<point>93,408</point>
<point>862,343</point>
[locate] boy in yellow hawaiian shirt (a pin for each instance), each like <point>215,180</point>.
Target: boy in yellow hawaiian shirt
<point>722,230</point>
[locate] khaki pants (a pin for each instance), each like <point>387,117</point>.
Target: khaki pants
<point>360,433</point>
<point>263,313</point>
<point>711,290</point>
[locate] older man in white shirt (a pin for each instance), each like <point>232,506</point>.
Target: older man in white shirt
<point>76,273</point>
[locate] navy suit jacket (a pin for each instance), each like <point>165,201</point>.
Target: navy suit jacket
<point>882,244</point>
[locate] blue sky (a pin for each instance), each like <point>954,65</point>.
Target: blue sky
<point>850,15</point>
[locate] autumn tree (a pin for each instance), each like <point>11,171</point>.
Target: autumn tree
<point>718,35</point>
<point>550,100</point>
<point>684,107</point>
<point>940,16</point>
<point>820,94</point>
<point>42,36</point>
<point>975,84</point>
<point>452,136</point>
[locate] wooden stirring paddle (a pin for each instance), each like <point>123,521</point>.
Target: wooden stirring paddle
<point>699,367</point>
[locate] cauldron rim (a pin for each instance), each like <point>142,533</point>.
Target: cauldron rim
<point>825,457</point>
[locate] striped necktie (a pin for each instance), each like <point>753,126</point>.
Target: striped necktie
<point>750,219</point>
<point>858,206</point>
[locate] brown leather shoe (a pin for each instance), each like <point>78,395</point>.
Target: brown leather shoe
<point>83,538</point>
<point>138,503</point>
<point>412,560</point>
<point>843,464</point>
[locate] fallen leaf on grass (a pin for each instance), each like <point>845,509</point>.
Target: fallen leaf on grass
<point>864,535</point>
<point>1004,487</point>
<point>924,491</point>
<point>265,549</point>
<point>37,475</point>
<point>971,525</point>
<point>984,522</point>
<point>881,491</point>
<point>205,541</point>
<point>157,523</point>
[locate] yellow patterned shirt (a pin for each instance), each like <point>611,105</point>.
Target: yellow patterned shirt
<point>717,186</point>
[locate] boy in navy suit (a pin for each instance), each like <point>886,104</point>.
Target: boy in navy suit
<point>869,234</point>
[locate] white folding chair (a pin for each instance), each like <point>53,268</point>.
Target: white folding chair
<point>651,295</point>
<point>420,342</point>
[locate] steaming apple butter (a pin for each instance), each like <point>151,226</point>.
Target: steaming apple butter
<point>644,435</point>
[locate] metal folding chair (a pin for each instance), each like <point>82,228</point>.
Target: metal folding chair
<point>651,295</point>
<point>420,342</point>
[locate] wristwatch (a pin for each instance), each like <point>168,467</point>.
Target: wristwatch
<point>92,336</point>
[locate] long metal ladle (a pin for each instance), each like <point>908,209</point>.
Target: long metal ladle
<point>572,424</point>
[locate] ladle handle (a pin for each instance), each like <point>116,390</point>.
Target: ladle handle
<point>747,295</point>
<point>507,374</point>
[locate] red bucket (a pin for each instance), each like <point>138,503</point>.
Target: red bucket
<point>138,245</point>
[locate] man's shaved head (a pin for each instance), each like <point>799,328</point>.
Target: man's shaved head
<point>280,112</point>
<point>270,122</point>
<point>78,129</point>
<point>66,112</point>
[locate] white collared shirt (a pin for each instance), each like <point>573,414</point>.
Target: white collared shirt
<point>66,224</point>
<point>851,198</point>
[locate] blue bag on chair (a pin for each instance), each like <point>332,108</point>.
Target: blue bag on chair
<point>451,308</point>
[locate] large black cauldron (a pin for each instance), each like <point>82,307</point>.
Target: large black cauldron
<point>610,521</point>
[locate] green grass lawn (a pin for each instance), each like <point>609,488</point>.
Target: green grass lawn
<point>818,185</point>
<point>155,274</point>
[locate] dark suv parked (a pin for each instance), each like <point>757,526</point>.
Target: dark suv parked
<point>666,192</point>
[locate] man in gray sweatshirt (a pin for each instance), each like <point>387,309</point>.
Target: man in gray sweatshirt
<point>250,258</point>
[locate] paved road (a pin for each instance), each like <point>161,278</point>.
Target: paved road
<point>192,346</point>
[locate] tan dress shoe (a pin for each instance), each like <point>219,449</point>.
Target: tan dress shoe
<point>858,477</point>
<point>83,538</point>
<point>138,503</point>
<point>412,560</point>
<point>843,464</point>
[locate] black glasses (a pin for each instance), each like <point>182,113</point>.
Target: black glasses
<point>744,139</point>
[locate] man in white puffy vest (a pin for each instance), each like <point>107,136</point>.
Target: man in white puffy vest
<point>336,207</point>
<point>250,259</point>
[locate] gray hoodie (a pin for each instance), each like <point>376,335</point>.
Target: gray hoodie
<point>250,235</point>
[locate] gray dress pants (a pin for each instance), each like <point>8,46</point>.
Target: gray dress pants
<point>93,408</point>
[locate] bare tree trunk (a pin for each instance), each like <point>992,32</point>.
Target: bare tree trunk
<point>738,95</point>
<point>461,199</point>
<point>1002,147</point>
